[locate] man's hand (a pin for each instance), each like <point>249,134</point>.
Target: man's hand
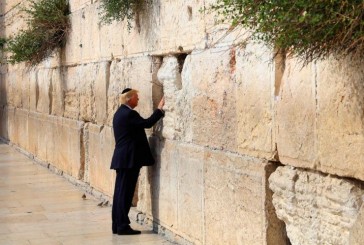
<point>161,104</point>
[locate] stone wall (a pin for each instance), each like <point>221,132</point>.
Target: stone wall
<point>233,115</point>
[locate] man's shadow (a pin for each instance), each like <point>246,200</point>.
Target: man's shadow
<point>157,143</point>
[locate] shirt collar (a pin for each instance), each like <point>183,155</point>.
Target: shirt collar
<point>128,106</point>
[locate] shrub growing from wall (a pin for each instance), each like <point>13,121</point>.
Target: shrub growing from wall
<point>119,10</point>
<point>310,30</point>
<point>48,25</point>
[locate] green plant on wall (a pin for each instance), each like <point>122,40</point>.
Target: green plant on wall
<point>2,42</point>
<point>310,30</point>
<point>48,25</point>
<point>119,10</point>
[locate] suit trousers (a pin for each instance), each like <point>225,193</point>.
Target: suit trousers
<point>125,184</point>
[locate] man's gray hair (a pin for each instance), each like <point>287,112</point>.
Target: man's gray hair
<point>127,96</point>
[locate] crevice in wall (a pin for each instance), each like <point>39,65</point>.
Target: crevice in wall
<point>280,65</point>
<point>36,90</point>
<point>276,228</point>
<point>189,11</point>
<point>181,60</point>
<point>107,84</point>
<point>50,93</point>
<point>81,171</point>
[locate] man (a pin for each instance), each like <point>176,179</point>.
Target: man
<point>131,153</point>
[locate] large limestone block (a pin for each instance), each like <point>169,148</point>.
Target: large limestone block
<point>25,89</point>
<point>234,199</point>
<point>90,31</point>
<point>13,88</point>
<point>111,47</point>
<point>44,80</point>
<point>73,49</point>
<point>41,136</point>
<point>157,30</point>
<point>100,147</point>
<point>72,92</point>
<point>86,87</point>
<point>18,126</point>
<point>164,182</point>
<point>316,208</point>
<point>4,122</point>
<point>3,89</point>
<point>13,19</point>
<point>296,115</point>
<point>58,141</point>
<point>209,96</point>
<point>190,33</point>
<point>172,190</point>
<point>21,127</point>
<point>340,120</point>
<point>33,132</point>
<point>57,92</point>
<point>254,99</point>
<point>69,154</point>
<point>77,5</point>
<point>33,91</point>
<point>190,191</point>
<point>101,87</point>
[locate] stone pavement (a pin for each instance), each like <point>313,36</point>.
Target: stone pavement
<point>39,207</point>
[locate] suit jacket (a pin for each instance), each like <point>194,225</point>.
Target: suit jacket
<point>131,145</point>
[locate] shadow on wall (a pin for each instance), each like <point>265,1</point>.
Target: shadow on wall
<point>153,173</point>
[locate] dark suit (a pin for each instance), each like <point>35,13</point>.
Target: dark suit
<point>131,152</point>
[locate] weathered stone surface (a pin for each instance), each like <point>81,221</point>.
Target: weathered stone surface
<point>72,92</point>
<point>90,33</point>
<point>77,5</point>
<point>190,33</point>
<point>356,231</point>
<point>56,140</point>
<point>25,90</point>
<point>99,149</point>
<point>8,5</point>
<point>69,154</point>
<point>101,87</point>
<point>4,123</point>
<point>164,182</point>
<point>3,90</point>
<point>296,116</point>
<point>44,78</point>
<point>13,87</point>
<point>33,91</point>
<point>73,48</point>
<point>18,127</point>
<point>340,119</point>
<point>86,87</point>
<point>254,100</point>
<point>317,208</point>
<point>170,78</point>
<point>213,108</point>
<point>234,199</point>
<point>57,92</point>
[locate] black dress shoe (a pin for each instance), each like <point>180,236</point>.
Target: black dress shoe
<point>128,231</point>
<point>114,228</point>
